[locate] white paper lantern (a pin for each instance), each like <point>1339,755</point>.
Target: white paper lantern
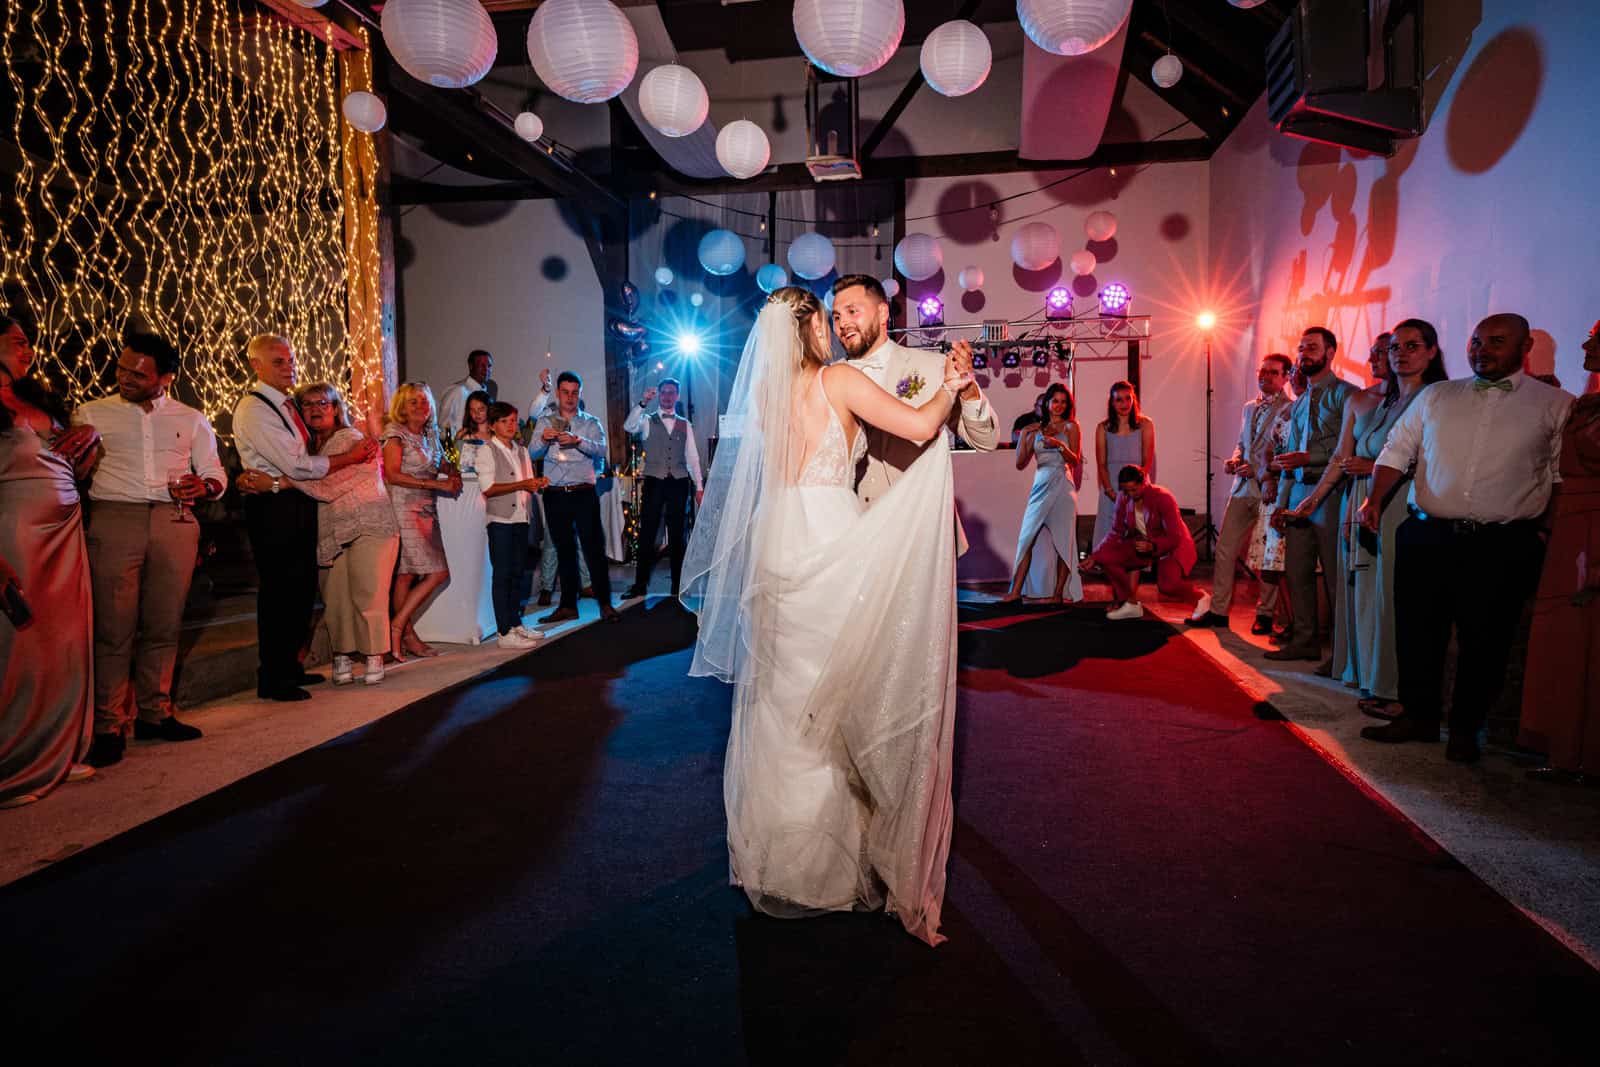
<point>364,111</point>
<point>891,288</point>
<point>772,278</point>
<point>311,3</point>
<point>1167,70</point>
<point>1100,226</point>
<point>721,252</point>
<point>1072,27</point>
<point>918,256</point>
<point>743,149</point>
<point>697,299</point>
<point>663,276</point>
<point>827,300</point>
<point>447,43</point>
<point>1082,262</point>
<point>1035,246</point>
<point>674,100</point>
<point>811,256</point>
<point>530,127</point>
<point>956,58</point>
<point>970,278</point>
<point>850,38</point>
<point>584,50</point>
<point>1247,4</point>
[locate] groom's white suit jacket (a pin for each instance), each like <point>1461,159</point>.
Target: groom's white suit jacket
<point>920,372</point>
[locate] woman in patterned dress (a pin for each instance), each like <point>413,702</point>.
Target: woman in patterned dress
<point>415,471</point>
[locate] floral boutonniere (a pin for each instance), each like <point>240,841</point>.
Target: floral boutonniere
<point>908,387</point>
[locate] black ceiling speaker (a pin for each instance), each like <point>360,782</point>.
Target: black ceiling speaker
<point>1322,83</point>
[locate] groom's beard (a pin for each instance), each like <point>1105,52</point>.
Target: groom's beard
<point>865,341</point>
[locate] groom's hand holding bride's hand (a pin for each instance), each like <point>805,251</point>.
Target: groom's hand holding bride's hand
<point>961,354</point>
<point>956,378</point>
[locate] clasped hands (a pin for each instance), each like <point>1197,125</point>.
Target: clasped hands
<point>958,372</point>
<point>561,437</point>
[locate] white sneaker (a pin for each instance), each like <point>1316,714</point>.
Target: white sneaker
<point>342,668</point>
<point>1202,608</point>
<point>530,633</point>
<point>1131,609</point>
<point>374,673</point>
<point>514,639</point>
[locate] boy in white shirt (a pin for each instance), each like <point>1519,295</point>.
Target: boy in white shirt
<point>505,475</point>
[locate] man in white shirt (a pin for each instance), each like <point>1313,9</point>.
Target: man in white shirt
<point>453,400</point>
<point>156,457</point>
<point>271,436</point>
<point>671,470</point>
<point>505,477</point>
<point>1485,450</point>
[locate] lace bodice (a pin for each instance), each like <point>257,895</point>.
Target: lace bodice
<point>833,464</point>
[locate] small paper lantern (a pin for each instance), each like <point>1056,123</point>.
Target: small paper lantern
<point>956,58</point>
<point>584,50</point>
<point>674,100</point>
<point>663,276</point>
<point>811,256</point>
<point>1167,70</point>
<point>743,149</point>
<point>1035,246</point>
<point>827,300</point>
<point>918,256</point>
<point>1072,27</point>
<point>891,288</point>
<point>1247,4</point>
<point>721,252</point>
<point>364,111</point>
<point>530,127</point>
<point>697,299</point>
<point>1100,226</point>
<point>446,43</point>
<point>1083,262</point>
<point>850,38</point>
<point>311,3</point>
<point>970,278</point>
<point>772,278</point>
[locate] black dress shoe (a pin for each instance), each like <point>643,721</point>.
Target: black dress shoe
<point>559,615</point>
<point>1461,750</point>
<point>609,614</point>
<point>168,729</point>
<point>307,678</point>
<point>1261,626</point>
<point>283,693</point>
<point>1405,728</point>
<point>106,750</point>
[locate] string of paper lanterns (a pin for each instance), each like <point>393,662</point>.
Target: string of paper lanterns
<point>445,43</point>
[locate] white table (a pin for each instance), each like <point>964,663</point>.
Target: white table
<point>462,612</point>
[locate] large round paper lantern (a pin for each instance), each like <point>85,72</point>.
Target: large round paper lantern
<point>530,127</point>
<point>918,256</point>
<point>1035,246</point>
<point>891,288</point>
<point>447,43</point>
<point>1100,226</point>
<point>743,149</point>
<point>1072,27</point>
<point>584,50</point>
<point>663,276</point>
<point>674,100</point>
<point>1166,71</point>
<point>1082,262</point>
<point>721,252</point>
<point>811,256</point>
<point>850,38</point>
<point>956,58</point>
<point>771,278</point>
<point>970,278</point>
<point>364,111</point>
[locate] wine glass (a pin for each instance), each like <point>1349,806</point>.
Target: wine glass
<point>175,479</point>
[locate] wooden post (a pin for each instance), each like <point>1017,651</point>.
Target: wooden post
<point>369,256</point>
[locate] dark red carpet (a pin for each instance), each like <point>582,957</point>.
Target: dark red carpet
<point>530,869</point>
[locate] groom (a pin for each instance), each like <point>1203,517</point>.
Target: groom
<point>861,320</point>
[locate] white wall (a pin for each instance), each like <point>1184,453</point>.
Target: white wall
<point>512,278</point>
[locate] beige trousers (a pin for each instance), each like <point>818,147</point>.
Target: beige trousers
<point>355,595</point>
<point>1238,523</point>
<point>141,563</point>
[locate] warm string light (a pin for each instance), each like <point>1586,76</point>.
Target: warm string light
<point>207,205</point>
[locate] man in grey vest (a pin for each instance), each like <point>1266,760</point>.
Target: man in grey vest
<point>671,469</point>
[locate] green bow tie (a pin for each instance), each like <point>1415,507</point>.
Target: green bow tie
<point>1483,385</point>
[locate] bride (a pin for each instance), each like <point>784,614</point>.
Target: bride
<point>836,627</point>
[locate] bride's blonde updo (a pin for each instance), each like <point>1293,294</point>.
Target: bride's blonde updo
<point>805,307</point>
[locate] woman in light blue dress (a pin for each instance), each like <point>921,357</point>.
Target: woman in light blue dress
<point>1127,437</point>
<point>1053,502</point>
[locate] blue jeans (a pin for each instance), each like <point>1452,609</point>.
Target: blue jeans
<point>508,558</point>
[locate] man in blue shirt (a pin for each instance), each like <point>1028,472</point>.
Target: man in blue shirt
<point>571,441</point>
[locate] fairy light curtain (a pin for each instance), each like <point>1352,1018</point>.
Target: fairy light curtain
<point>178,168</point>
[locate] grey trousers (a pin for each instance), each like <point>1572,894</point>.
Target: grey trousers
<point>1305,544</point>
<point>1238,522</point>
<point>141,563</point>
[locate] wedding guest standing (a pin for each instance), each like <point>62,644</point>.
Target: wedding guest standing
<point>1485,450</point>
<point>157,456</point>
<point>416,473</point>
<point>1126,438</point>
<point>671,473</point>
<point>505,477</point>
<point>1561,687</point>
<point>1148,530</point>
<point>1055,445</point>
<point>474,431</point>
<point>570,442</point>
<point>272,437</point>
<point>46,633</point>
<point>1252,479</point>
<point>452,411</point>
